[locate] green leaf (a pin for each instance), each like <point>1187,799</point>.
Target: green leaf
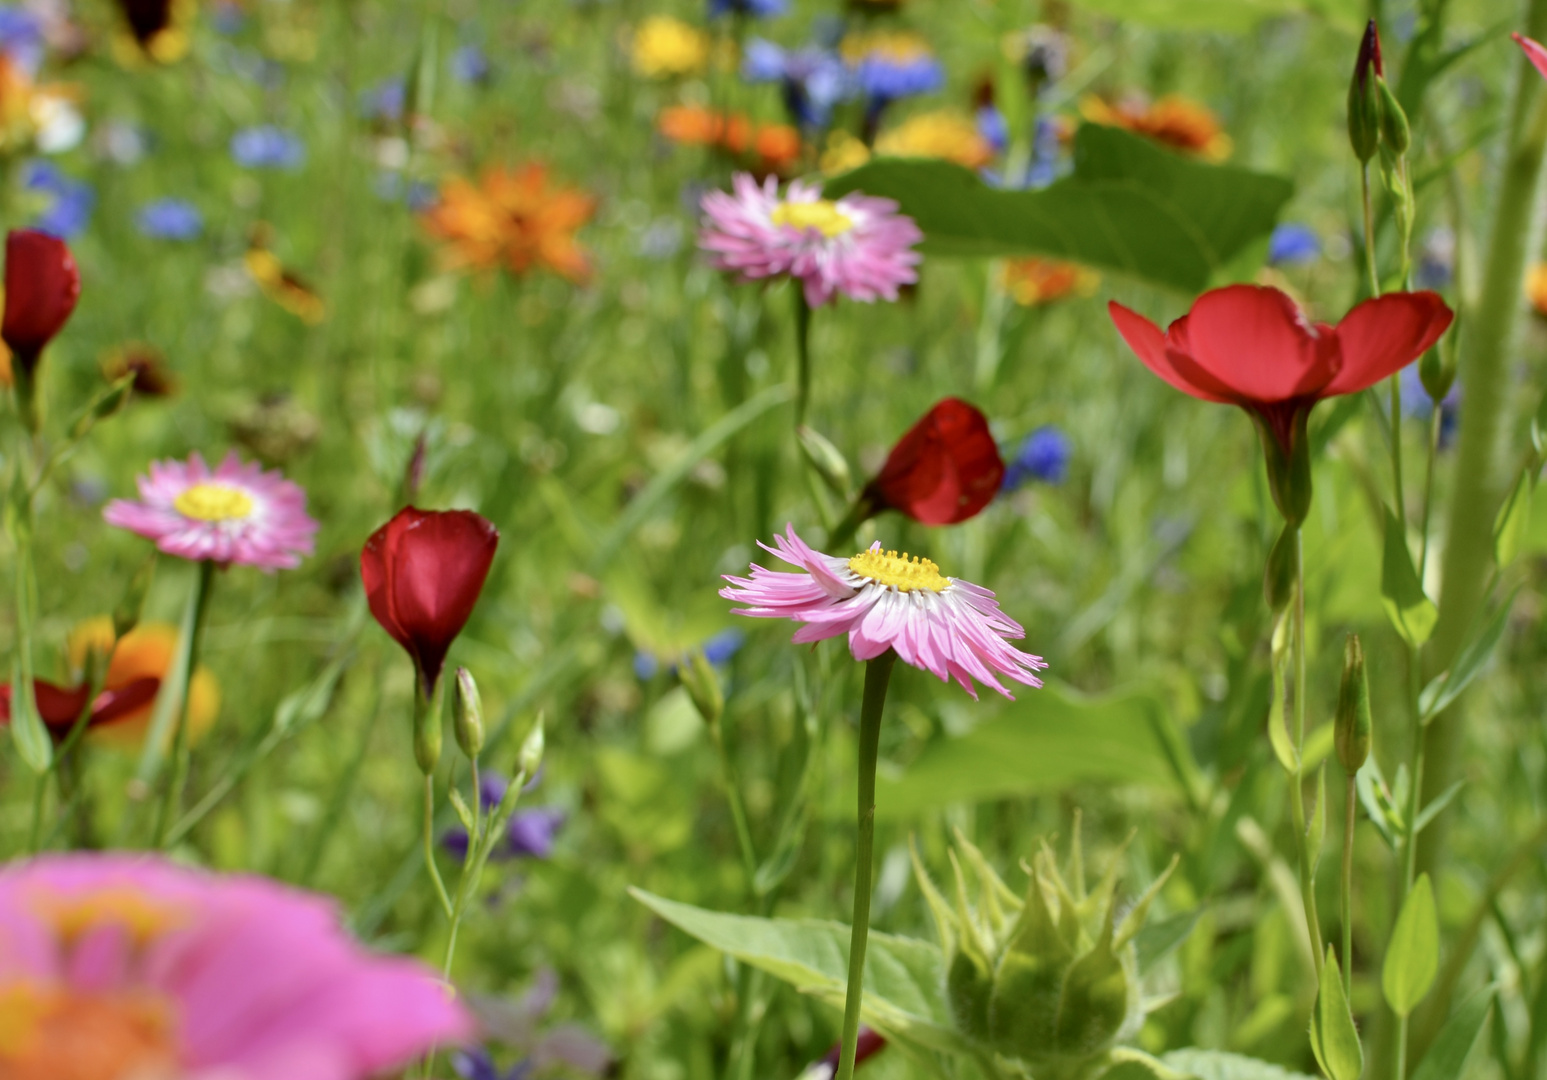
<point>1130,207</point>
<point>1220,1065</point>
<point>464,812</point>
<point>1446,1059</point>
<point>1334,1039</point>
<point>904,979</point>
<point>1155,942</point>
<point>1382,808</point>
<point>1316,828</point>
<point>1278,733</point>
<point>1433,810</point>
<point>1045,740</point>
<point>1448,685</point>
<point>1413,953</point>
<point>1411,612</point>
<point>1513,523</point>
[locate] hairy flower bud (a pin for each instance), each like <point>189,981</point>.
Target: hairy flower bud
<point>531,757</point>
<point>1364,98</point>
<point>467,713</point>
<point>1351,730</point>
<point>703,686</point>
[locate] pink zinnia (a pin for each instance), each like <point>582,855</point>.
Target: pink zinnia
<point>884,600</point>
<point>235,514</point>
<point>857,245</point>
<point>119,966</point>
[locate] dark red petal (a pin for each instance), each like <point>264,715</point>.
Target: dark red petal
<point>41,287</point>
<point>945,469</point>
<point>1255,341</point>
<point>375,574</point>
<point>1383,335</point>
<point>58,707</point>
<point>120,702</point>
<point>1148,343</point>
<point>1534,52</point>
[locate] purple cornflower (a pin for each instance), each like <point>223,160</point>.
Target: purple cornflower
<point>383,103</point>
<point>470,64</point>
<point>812,79</point>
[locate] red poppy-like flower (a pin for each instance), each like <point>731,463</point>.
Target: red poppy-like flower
<point>41,287</point>
<point>423,571</point>
<point>61,706</point>
<point>944,470</point>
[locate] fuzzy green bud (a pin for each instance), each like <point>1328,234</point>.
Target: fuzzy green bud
<point>1364,98</point>
<point>1394,128</point>
<point>703,686</point>
<point>826,459</point>
<point>467,713</point>
<point>1352,728</point>
<point>531,757</point>
<point>1437,372</point>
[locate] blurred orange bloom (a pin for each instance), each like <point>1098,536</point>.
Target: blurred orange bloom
<point>279,284</point>
<point>1174,121</point>
<point>775,146</point>
<point>1032,282</point>
<point>513,216</point>
<point>143,653</point>
<point>1536,288</point>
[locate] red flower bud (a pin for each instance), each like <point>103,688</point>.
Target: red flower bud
<point>59,707</point>
<point>41,287</point>
<point>944,470</point>
<point>1369,55</point>
<point>423,571</point>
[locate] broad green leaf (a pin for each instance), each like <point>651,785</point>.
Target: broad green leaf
<point>904,979</point>
<point>1231,16</point>
<point>1446,1059</point>
<point>1411,612</point>
<point>1219,1065</point>
<point>1045,740</point>
<point>1334,1039</point>
<point>1413,953</point>
<point>1448,685</point>
<point>1513,523</point>
<point>1129,207</point>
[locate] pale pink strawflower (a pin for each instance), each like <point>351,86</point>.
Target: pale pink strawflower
<point>884,600</point>
<point>131,966</point>
<point>236,513</point>
<point>857,245</point>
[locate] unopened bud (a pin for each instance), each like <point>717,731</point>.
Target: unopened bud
<point>1364,99</point>
<point>1351,730</point>
<point>104,405</point>
<point>1278,581</point>
<point>826,459</point>
<point>1394,128</point>
<point>126,616</point>
<point>427,734</point>
<point>413,473</point>
<point>467,713</point>
<point>531,757</point>
<point>703,686</point>
<point>1437,372</point>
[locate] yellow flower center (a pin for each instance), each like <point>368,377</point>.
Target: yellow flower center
<point>214,502</point>
<point>822,215</point>
<point>899,571</point>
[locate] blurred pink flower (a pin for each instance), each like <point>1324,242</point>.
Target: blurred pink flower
<point>857,245</point>
<point>119,965</point>
<point>884,600</point>
<point>1534,52</point>
<point>236,513</point>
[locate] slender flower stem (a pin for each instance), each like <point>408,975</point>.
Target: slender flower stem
<point>1350,806</point>
<point>429,845</point>
<point>1297,781</point>
<point>877,673</point>
<point>35,831</point>
<point>802,353</point>
<point>738,808</point>
<point>172,793</point>
<point>1373,274</point>
<point>1435,420</point>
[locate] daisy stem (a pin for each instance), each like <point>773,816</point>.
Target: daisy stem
<point>184,666</point>
<point>877,673</point>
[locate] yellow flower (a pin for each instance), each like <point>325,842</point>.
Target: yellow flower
<point>17,122</point>
<point>1536,288</point>
<point>143,653</point>
<point>513,217</point>
<point>666,48</point>
<point>1033,282</point>
<point>1175,121</point>
<point>280,285</point>
<point>942,133</point>
<point>155,30</point>
<point>844,152</point>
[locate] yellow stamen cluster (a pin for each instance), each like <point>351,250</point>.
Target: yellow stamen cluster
<point>901,571</point>
<point>213,502</point>
<point>823,215</point>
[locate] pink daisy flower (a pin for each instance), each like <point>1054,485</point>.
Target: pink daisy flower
<point>884,600</point>
<point>234,514</point>
<point>857,245</point>
<point>119,966</point>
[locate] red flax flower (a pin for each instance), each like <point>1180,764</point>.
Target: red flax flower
<point>1253,347</point>
<point>944,470</point>
<point>423,571</point>
<point>41,287</point>
<point>60,706</point>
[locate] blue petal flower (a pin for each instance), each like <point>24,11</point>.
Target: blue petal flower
<point>470,64</point>
<point>267,147</point>
<point>70,201</point>
<point>724,645</point>
<point>758,9</point>
<point>1044,456</point>
<point>21,38</point>
<point>170,219</point>
<point>1293,243</point>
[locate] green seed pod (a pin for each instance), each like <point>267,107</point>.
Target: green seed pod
<point>427,736</point>
<point>1051,980</point>
<point>826,459</point>
<point>1352,728</point>
<point>1394,128</point>
<point>467,713</point>
<point>1437,372</point>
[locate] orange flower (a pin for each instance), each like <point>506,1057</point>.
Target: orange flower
<point>1174,121</point>
<point>512,217</point>
<point>775,146</point>
<point>143,653</point>
<point>1536,288</point>
<point>1032,282</point>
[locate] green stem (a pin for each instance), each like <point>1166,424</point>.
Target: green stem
<point>1490,333</point>
<point>1371,272</point>
<point>738,807</point>
<point>172,793</point>
<point>429,845</point>
<point>1432,452</point>
<point>877,673</point>
<point>35,831</point>
<point>802,353</point>
<point>1297,781</point>
<point>991,327</point>
<point>1398,489</point>
<point>1350,808</point>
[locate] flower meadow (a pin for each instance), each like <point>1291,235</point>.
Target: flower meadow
<point>471,472</point>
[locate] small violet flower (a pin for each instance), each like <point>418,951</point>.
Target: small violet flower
<point>1044,456</point>
<point>170,219</point>
<point>68,201</point>
<point>1293,243</point>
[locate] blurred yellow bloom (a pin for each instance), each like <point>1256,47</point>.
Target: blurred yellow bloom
<point>513,217</point>
<point>1032,282</point>
<point>155,30</point>
<point>666,48</point>
<point>145,652</point>
<point>942,133</point>
<point>1536,288</point>
<point>843,152</point>
<point>1175,121</point>
<point>280,285</point>
<point>17,125</point>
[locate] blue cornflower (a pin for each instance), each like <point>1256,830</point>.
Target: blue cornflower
<point>384,102</point>
<point>470,64</point>
<point>890,65</point>
<point>993,127</point>
<point>1293,243</point>
<point>170,219</point>
<point>1044,456</point>
<point>21,38</point>
<point>758,9</point>
<point>813,79</point>
<point>724,645</point>
<point>646,666</point>
<point>1418,405</point>
<point>267,147</point>
<point>69,201</point>
<point>478,1065</point>
<point>530,833</point>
